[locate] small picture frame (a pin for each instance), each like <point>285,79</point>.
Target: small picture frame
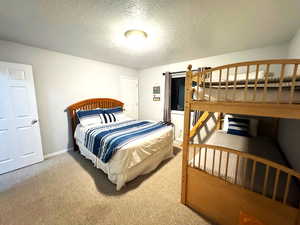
<point>156,90</point>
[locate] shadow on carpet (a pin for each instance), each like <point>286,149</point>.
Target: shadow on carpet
<point>102,183</point>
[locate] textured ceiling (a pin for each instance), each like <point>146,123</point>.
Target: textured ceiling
<point>178,29</point>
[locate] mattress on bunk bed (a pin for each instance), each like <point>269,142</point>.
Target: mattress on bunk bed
<point>240,95</point>
<point>139,156</point>
<point>260,146</point>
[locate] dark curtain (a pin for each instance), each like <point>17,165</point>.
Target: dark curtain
<point>167,98</point>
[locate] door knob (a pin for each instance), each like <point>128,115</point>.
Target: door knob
<point>33,122</point>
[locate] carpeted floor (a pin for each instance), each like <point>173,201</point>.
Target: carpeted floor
<point>67,189</point>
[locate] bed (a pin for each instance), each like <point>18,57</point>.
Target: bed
<point>221,180</point>
<point>137,155</point>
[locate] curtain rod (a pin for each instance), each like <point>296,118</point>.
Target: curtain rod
<point>179,72</point>
<point>184,71</point>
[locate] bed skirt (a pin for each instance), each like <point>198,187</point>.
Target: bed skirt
<point>144,167</point>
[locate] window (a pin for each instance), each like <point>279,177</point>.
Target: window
<point>177,94</point>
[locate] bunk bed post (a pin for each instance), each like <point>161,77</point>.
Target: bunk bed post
<point>219,121</point>
<point>186,137</point>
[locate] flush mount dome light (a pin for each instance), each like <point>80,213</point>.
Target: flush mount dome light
<point>136,35</point>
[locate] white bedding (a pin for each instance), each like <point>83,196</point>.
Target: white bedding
<point>239,95</point>
<point>138,157</point>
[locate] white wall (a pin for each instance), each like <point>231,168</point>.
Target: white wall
<point>61,80</point>
<point>289,130</point>
<point>294,47</point>
<point>288,138</point>
<point>153,76</point>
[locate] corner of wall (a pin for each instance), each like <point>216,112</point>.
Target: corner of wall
<point>294,46</point>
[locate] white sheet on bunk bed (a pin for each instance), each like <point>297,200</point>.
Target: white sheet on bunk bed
<point>260,146</point>
<point>138,157</point>
<point>239,77</point>
<point>239,95</point>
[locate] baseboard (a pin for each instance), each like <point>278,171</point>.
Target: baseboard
<point>47,156</point>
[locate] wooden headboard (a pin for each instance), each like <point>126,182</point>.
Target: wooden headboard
<point>89,104</point>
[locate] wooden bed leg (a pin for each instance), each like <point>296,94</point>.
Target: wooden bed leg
<point>186,137</point>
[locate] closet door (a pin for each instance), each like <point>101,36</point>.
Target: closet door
<point>130,96</point>
<point>20,140</point>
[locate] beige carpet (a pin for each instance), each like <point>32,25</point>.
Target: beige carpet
<point>67,189</point>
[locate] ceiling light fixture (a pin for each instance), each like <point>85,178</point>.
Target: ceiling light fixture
<point>136,36</point>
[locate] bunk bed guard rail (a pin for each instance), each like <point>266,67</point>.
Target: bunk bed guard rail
<point>265,85</point>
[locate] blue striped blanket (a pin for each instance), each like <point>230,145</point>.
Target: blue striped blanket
<point>104,140</point>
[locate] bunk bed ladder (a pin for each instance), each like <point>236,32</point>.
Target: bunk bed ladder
<point>201,121</point>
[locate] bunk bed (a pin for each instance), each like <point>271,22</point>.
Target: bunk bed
<point>222,182</point>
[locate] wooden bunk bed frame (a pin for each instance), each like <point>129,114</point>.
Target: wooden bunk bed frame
<point>213,195</point>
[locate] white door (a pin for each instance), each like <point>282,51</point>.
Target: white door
<point>130,96</point>
<point>20,139</point>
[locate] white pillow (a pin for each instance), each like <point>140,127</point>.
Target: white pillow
<point>88,117</point>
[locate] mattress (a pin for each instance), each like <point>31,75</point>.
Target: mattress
<point>260,146</point>
<point>240,95</point>
<point>135,158</point>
